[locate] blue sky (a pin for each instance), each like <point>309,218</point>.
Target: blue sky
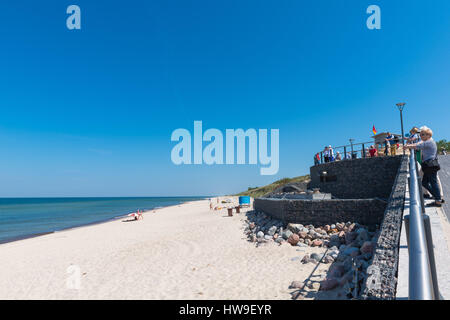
<point>90,112</point>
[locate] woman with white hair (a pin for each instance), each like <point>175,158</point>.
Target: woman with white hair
<point>430,164</point>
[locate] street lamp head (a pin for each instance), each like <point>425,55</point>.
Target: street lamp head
<point>400,105</point>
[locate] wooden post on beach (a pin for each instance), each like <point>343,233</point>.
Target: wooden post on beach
<point>230,212</point>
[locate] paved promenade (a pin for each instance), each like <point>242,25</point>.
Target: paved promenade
<point>441,239</point>
<point>444,176</point>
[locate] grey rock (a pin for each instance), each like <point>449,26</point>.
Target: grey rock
<point>295,227</point>
<point>351,251</point>
<point>363,235</point>
<point>260,234</point>
<point>305,259</point>
<point>296,285</point>
<point>334,254</point>
<point>316,256</point>
<point>272,230</point>
<point>286,234</point>
<point>348,264</point>
<point>329,284</point>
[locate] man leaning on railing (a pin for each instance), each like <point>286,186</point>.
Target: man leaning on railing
<point>430,164</point>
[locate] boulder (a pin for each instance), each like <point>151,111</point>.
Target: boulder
<point>272,230</point>
<point>316,256</point>
<point>302,234</point>
<point>293,239</point>
<point>328,259</point>
<point>336,270</point>
<point>287,234</point>
<point>363,235</point>
<point>367,247</point>
<point>314,285</point>
<point>346,278</point>
<point>328,284</point>
<point>296,285</point>
<point>350,251</point>
<point>305,258</point>
<point>317,243</point>
<point>295,227</point>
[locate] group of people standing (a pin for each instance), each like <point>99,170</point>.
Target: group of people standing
<point>426,150</point>
<point>329,156</point>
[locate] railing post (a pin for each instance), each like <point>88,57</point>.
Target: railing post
<point>363,150</point>
<point>430,249</point>
<point>420,276</point>
<point>345,153</point>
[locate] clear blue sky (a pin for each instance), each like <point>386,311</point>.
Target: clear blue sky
<point>90,112</point>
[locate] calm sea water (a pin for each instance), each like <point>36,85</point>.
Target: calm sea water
<point>24,217</point>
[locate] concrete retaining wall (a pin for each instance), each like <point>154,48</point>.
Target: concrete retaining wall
<point>357,179</point>
<point>368,212</point>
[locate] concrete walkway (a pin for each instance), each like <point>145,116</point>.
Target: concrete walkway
<point>441,239</point>
<point>444,176</point>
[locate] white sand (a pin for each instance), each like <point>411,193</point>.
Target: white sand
<point>179,252</point>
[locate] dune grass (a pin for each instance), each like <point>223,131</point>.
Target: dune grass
<point>261,191</point>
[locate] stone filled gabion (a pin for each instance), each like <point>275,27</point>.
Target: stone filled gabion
<point>350,246</point>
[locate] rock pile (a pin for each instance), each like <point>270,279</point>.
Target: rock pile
<point>350,246</point>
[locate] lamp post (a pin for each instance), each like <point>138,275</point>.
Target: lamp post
<point>351,143</point>
<point>400,107</point>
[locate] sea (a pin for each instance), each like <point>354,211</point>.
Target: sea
<point>22,218</point>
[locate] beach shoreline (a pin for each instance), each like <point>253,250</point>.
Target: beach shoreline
<point>82,225</point>
<point>184,251</point>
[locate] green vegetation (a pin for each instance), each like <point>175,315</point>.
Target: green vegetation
<point>443,144</point>
<point>259,192</point>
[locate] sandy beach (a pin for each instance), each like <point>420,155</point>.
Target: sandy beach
<point>180,252</point>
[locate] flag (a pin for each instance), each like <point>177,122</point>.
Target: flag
<point>374,130</point>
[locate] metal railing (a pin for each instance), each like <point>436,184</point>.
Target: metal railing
<point>356,151</point>
<point>422,269</point>
<point>348,152</point>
